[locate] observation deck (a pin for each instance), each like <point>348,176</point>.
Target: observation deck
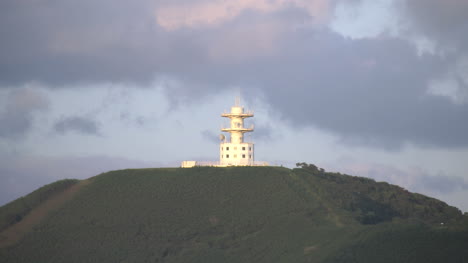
<point>247,114</point>
<point>238,129</point>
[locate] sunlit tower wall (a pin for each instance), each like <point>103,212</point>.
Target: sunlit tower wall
<point>233,150</point>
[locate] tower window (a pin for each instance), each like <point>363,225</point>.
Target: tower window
<point>227,155</point>
<point>235,155</point>
<point>250,148</point>
<point>243,148</point>
<point>227,148</point>
<point>243,155</point>
<point>250,156</point>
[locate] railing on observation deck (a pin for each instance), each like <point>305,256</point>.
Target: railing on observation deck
<point>237,128</point>
<point>247,113</point>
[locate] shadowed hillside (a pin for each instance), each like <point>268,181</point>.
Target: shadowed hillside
<point>14,212</point>
<point>242,214</point>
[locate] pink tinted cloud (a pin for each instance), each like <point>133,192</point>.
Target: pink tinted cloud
<point>212,13</point>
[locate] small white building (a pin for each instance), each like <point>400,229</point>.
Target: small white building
<point>233,150</point>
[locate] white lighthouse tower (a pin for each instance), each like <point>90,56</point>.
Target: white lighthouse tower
<point>233,150</point>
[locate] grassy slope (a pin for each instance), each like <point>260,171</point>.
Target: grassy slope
<point>249,214</point>
<point>14,212</point>
<point>16,232</point>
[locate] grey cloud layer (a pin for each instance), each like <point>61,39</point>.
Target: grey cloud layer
<point>77,124</point>
<point>369,91</point>
<point>444,21</point>
<point>16,118</point>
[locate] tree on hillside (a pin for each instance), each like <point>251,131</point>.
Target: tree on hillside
<point>311,167</point>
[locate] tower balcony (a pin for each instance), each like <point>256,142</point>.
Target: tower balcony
<point>246,114</point>
<point>238,129</point>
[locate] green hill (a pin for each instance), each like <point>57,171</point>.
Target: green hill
<point>238,214</point>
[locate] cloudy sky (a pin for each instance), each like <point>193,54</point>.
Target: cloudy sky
<point>375,88</point>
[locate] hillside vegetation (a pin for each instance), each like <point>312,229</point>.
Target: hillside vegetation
<point>14,212</point>
<point>244,214</point>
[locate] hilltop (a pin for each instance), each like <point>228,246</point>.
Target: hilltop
<point>236,214</point>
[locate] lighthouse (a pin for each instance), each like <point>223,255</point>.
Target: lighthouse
<point>233,150</point>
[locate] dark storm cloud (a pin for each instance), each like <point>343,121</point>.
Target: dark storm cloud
<point>446,21</point>
<point>69,42</point>
<point>17,116</point>
<point>369,91</point>
<point>77,124</point>
<point>444,24</point>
